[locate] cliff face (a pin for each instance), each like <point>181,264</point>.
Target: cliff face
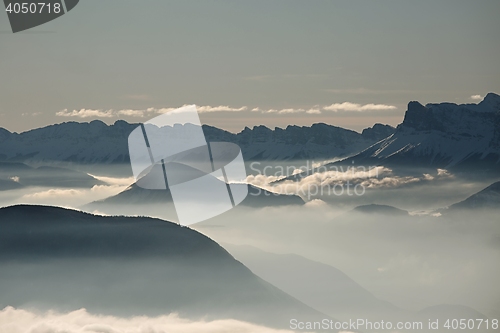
<point>444,135</point>
<point>420,118</point>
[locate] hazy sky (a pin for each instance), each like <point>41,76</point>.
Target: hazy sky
<point>296,56</point>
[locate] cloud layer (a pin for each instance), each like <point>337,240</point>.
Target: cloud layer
<point>347,106</point>
<point>336,107</point>
<point>21,321</point>
<point>87,113</point>
<point>318,182</point>
<point>75,197</point>
<point>316,109</point>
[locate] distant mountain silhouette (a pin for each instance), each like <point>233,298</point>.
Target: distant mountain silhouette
<point>96,142</point>
<point>319,285</point>
<point>489,198</point>
<point>25,175</point>
<point>9,184</point>
<point>135,200</point>
<point>380,209</point>
<point>449,312</point>
<point>300,142</point>
<point>378,132</point>
<point>54,258</point>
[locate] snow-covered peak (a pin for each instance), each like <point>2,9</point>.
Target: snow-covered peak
<point>443,135</point>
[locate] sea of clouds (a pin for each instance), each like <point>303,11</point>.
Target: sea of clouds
<point>14,320</point>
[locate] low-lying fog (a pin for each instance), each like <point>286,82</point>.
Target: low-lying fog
<point>20,321</point>
<point>412,190</point>
<point>412,261</point>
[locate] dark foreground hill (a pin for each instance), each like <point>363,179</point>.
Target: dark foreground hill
<point>54,258</point>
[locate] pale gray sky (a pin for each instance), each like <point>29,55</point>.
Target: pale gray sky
<point>272,55</point>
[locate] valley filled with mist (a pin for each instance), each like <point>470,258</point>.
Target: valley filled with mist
<point>395,224</point>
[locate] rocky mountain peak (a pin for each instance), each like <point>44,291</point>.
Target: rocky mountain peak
<point>491,103</point>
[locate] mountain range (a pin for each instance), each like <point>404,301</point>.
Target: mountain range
<point>444,135</point>
<point>96,142</point>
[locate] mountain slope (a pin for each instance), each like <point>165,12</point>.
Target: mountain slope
<point>489,198</point>
<point>24,175</point>
<point>54,258</point>
<point>135,200</point>
<point>319,285</point>
<point>442,135</point>
<point>96,142</point>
